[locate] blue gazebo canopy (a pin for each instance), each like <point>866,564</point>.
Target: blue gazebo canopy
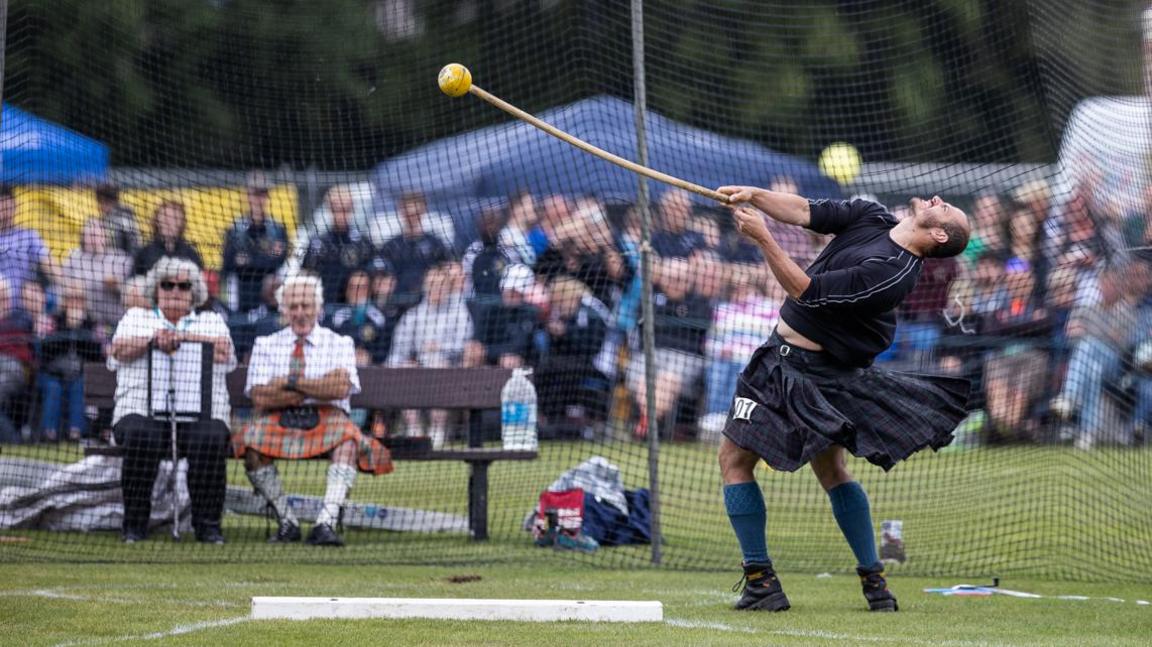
<point>37,151</point>
<point>496,161</point>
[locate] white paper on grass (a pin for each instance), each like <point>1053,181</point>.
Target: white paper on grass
<point>182,371</point>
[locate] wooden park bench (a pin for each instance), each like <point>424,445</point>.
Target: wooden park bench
<point>471,389</point>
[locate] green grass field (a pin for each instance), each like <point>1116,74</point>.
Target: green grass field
<point>1047,520</point>
<point>209,604</point>
<point>1023,511</point>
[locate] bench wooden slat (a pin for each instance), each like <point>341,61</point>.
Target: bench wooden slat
<point>381,387</point>
<point>465,455</point>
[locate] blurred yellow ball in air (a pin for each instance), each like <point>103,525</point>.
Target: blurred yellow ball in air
<point>454,80</point>
<point>841,162</point>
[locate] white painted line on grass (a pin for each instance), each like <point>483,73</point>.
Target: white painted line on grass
<point>852,638</point>
<point>700,624</point>
<point>829,635</point>
<point>299,608</point>
<point>60,594</point>
<point>178,630</point>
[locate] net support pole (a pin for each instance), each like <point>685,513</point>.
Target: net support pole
<point>1146,46</point>
<point>1146,70</point>
<point>3,50</point>
<point>640,104</point>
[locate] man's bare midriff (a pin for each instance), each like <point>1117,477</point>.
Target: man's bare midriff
<point>796,339</point>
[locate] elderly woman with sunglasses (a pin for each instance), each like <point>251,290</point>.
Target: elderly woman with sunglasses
<point>176,287</point>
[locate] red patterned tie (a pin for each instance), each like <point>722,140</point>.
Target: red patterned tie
<point>296,364</point>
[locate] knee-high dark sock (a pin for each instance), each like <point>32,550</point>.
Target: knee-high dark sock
<point>745,505</point>
<point>850,507</point>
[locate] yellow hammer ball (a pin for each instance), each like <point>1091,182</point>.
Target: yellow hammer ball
<point>454,80</point>
<point>841,162</point>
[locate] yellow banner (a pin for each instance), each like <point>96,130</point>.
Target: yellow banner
<point>58,214</point>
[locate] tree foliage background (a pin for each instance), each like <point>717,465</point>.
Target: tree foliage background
<point>342,84</point>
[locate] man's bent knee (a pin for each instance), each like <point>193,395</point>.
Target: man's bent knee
<point>254,460</point>
<point>345,453</point>
<point>831,468</point>
<point>737,465</point>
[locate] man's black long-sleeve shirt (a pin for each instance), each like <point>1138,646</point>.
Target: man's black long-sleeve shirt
<point>857,282</point>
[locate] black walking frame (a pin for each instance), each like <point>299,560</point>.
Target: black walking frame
<point>207,352</point>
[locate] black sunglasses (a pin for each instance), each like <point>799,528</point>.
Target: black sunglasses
<point>184,286</point>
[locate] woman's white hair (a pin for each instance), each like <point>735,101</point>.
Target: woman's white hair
<point>169,267</point>
<point>306,280</point>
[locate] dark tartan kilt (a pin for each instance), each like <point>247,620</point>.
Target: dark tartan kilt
<point>265,435</point>
<point>806,402</point>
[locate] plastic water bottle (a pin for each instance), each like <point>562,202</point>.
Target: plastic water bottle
<point>518,412</point>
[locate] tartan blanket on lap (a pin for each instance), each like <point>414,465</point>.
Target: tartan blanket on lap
<point>265,435</point>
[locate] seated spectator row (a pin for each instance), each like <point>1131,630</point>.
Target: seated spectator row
<point>554,283</point>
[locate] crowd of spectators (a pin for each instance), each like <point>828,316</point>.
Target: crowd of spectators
<point>1049,310</point>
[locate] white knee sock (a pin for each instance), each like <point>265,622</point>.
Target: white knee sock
<point>266,480</point>
<point>340,480</point>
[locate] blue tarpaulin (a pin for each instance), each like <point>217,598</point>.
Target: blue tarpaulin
<point>496,161</point>
<point>37,151</point>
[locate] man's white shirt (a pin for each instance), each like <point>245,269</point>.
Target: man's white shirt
<point>132,377</point>
<point>324,351</point>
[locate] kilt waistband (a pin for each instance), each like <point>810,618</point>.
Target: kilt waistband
<point>808,360</point>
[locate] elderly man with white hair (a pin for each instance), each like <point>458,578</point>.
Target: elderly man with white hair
<point>300,380</point>
<point>175,287</point>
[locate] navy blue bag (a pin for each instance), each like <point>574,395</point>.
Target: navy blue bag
<point>608,526</point>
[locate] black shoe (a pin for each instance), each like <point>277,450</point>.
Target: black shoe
<point>876,589</point>
<point>762,590</point>
<point>287,533</point>
<point>323,535</point>
<point>133,536</point>
<point>209,533</point>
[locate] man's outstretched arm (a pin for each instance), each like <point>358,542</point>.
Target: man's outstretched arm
<point>790,275</point>
<point>785,207</point>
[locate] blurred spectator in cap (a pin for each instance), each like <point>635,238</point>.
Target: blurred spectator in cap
<point>507,329</point>
<point>101,270</point>
<point>383,287</point>
<point>358,317</point>
<point>254,247</point>
<point>414,251</point>
<point>341,249</point>
<point>168,225</point>
<point>119,221</point>
<point>23,251</point>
